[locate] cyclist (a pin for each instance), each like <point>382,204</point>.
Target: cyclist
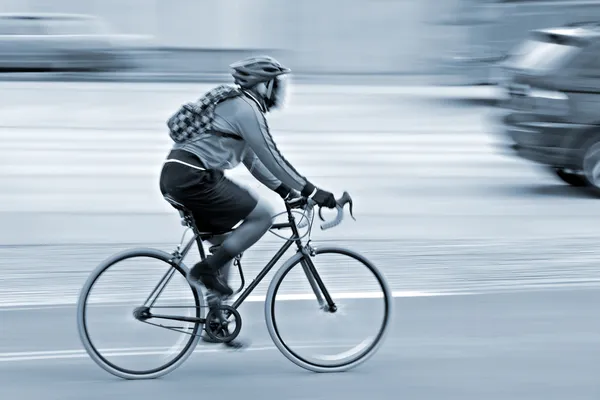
<point>193,173</point>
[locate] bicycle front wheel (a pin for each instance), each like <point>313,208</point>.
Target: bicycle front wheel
<point>311,334</point>
<point>113,328</point>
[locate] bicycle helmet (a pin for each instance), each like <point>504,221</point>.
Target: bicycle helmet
<point>254,70</point>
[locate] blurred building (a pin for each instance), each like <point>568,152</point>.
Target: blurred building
<point>329,36</point>
<point>483,31</point>
<point>332,36</point>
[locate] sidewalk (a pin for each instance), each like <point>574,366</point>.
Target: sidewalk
<point>410,85</point>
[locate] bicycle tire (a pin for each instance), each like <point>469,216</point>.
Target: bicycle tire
<point>83,330</point>
<point>285,349</point>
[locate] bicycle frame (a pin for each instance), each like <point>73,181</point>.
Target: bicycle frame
<point>316,283</point>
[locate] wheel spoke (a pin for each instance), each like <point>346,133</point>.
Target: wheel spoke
<point>160,287</point>
<point>171,292</point>
<point>343,274</point>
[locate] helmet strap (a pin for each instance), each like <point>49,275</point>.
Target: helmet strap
<point>269,101</point>
<point>270,86</point>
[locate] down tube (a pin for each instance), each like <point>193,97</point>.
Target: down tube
<point>263,273</point>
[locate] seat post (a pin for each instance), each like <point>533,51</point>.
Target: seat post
<point>187,220</point>
<point>200,245</point>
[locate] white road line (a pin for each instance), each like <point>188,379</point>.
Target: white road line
<point>148,146</point>
<point>297,88</point>
<point>333,162</point>
<point>133,150</point>
<point>8,305</point>
<point>131,352</point>
<point>333,150</point>
<point>407,170</point>
<point>12,163</point>
<point>320,139</point>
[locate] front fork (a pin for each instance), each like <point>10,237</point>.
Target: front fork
<point>314,279</point>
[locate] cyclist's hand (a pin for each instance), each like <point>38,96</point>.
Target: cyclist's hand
<point>324,199</point>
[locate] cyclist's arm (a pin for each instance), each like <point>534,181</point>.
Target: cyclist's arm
<point>252,125</point>
<point>260,172</point>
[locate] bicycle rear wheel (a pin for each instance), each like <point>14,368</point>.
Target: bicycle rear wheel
<point>295,306</point>
<point>155,285</point>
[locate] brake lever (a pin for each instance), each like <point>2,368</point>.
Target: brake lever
<point>341,202</point>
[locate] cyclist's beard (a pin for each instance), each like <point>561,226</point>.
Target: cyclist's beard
<point>278,94</point>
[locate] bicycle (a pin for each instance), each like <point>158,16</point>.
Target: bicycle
<point>220,316</point>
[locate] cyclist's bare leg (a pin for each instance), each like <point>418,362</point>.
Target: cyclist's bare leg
<point>255,225</point>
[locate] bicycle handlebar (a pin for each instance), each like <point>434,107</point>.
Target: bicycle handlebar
<point>308,217</point>
<point>310,204</point>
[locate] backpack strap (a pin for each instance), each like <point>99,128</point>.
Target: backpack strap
<point>197,118</point>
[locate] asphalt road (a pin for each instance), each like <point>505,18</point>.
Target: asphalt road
<point>438,210</point>
<point>536,345</point>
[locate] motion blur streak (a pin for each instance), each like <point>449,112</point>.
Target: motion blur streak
<point>491,257</point>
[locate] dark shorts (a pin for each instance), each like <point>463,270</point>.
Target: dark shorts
<point>216,203</point>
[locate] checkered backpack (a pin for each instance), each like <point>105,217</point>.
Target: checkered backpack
<point>196,118</point>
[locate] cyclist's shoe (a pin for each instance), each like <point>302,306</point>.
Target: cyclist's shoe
<point>201,275</point>
<point>235,344</point>
<point>208,339</point>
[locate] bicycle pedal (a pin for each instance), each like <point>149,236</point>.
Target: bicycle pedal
<point>236,345</point>
<point>207,339</point>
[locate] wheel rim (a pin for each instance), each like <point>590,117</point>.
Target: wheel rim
<point>112,356</point>
<point>591,165</point>
<point>346,354</point>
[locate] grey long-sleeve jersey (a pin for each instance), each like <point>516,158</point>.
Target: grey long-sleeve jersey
<point>246,139</point>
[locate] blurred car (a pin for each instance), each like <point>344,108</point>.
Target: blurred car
<point>528,51</point>
<point>550,110</point>
<point>64,42</point>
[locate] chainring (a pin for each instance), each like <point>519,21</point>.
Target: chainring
<point>218,322</point>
